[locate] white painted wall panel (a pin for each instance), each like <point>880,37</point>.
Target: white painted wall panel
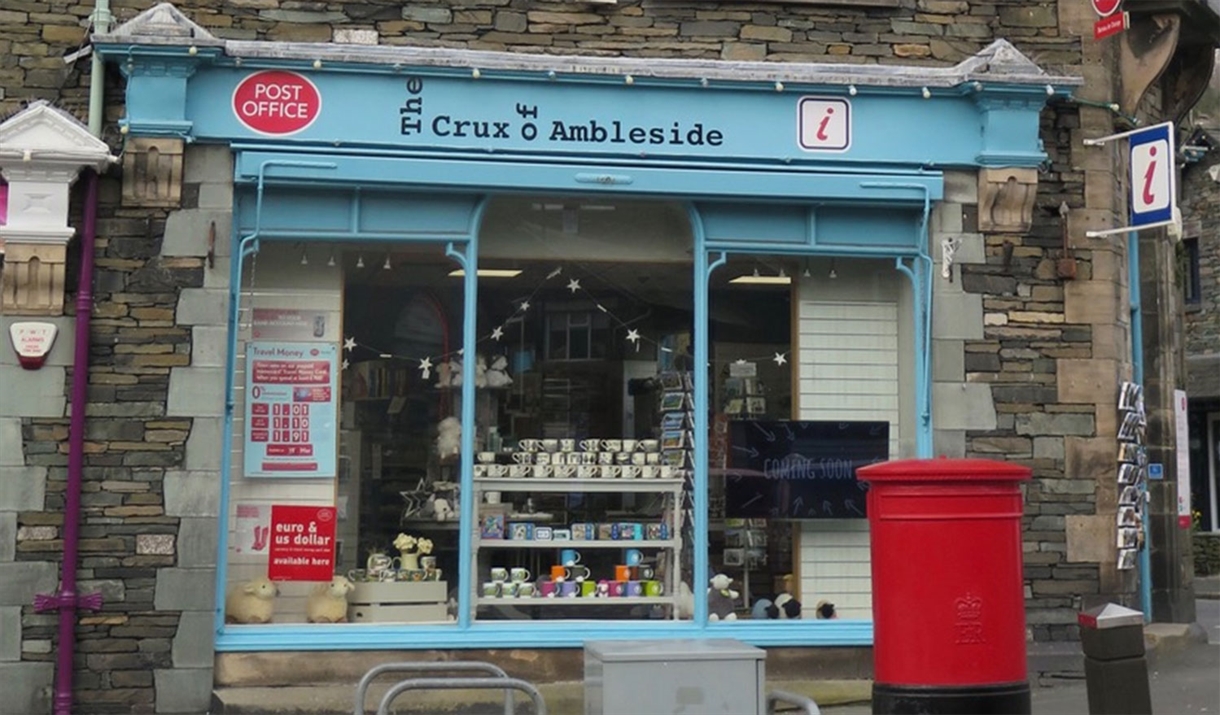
<point>848,370</point>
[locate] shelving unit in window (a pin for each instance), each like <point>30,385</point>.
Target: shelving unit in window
<point>665,542</point>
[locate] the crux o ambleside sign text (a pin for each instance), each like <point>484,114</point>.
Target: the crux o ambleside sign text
<point>276,102</point>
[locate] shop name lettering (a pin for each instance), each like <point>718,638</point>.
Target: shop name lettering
<point>529,126</point>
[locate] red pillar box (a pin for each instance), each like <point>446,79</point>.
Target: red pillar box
<point>948,597</point>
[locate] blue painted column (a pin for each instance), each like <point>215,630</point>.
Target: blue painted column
<point>1137,376</point>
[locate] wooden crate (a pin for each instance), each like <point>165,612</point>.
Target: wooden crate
<point>398,602</point>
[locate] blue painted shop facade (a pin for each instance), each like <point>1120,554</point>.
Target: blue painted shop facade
<point>401,147</point>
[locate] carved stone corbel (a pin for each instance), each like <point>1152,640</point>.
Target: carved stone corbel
<point>1144,53</point>
<point>33,279</point>
<point>152,172</point>
<point>1006,199</point>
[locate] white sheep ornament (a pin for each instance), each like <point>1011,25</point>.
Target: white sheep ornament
<point>251,602</point>
<point>327,602</point>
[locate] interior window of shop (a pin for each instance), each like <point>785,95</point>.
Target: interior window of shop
<point>806,388</point>
<point>584,318</point>
<point>345,464</point>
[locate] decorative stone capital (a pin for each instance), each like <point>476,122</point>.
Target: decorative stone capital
<point>1006,199</point>
<point>42,150</point>
<point>152,172</point>
<point>33,279</point>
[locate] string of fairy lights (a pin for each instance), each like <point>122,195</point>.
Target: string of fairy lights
<point>427,363</point>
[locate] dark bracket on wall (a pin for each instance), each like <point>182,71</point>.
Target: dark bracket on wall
<point>1175,35</point>
<point>212,245</point>
<point>1065,268</point>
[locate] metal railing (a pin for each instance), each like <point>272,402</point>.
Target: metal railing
<point>507,684</point>
<point>495,671</point>
<point>806,705</point>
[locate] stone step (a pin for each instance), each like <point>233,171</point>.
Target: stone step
<point>561,698</point>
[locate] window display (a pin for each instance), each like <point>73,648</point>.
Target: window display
<point>347,495</point>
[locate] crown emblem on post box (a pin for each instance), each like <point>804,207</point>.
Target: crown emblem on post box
<point>969,608</point>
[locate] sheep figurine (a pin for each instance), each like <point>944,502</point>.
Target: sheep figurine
<point>251,602</point>
<point>720,599</point>
<point>480,371</point>
<point>448,437</point>
<point>444,374</point>
<point>327,603</point>
<point>497,374</point>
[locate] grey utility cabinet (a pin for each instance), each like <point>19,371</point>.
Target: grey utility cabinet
<point>674,677</point>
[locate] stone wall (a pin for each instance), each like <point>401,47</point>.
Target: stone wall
<point>1200,206</point>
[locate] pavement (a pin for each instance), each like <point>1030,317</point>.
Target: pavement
<point>1183,665</point>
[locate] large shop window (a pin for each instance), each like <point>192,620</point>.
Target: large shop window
<point>805,389</point>
<point>347,425</point>
<point>345,458</point>
<point>579,502</point>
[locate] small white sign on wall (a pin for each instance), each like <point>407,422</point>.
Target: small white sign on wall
<point>824,124</point>
<point>32,341</point>
<point>1182,429</point>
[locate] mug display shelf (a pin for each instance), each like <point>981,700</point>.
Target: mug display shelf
<point>574,544</point>
<point>562,484</point>
<point>530,601</point>
<point>616,485</point>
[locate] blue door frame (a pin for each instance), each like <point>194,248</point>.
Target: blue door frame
<point>280,174</point>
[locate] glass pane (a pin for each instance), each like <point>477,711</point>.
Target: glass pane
<point>355,477</point>
<point>574,499</point>
<point>808,360</point>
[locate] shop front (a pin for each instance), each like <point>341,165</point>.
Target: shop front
<point>529,348</point>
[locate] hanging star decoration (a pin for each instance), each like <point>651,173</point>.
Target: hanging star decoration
<point>497,333</point>
<point>346,364</point>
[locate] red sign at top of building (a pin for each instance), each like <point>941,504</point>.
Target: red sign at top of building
<point>276,102</point>
<point>1105,8</point>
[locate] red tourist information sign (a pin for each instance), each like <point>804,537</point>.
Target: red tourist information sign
<point>276,102</point>
<point>1111,25</point>
<point>302,543</point>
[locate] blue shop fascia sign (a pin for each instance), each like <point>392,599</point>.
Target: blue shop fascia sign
<point>216,97</point>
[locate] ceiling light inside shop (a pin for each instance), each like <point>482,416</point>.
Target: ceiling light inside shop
<point>756,279</point>
<point>489,273</point>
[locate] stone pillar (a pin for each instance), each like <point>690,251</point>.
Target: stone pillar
<point>1173,597</point>
<point>1098,301</point>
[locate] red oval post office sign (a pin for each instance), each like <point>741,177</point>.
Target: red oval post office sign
<point>276,102</point>
<point>1105,8</point>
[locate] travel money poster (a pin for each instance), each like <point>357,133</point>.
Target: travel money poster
<point>291,410</point>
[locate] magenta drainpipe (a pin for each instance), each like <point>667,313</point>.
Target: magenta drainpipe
<point>67,601</point>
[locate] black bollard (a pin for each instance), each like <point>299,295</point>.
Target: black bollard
<point>1115,670</point>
